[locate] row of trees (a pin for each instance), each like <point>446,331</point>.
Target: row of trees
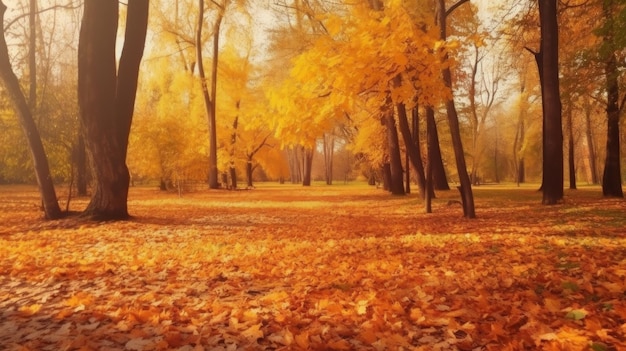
<point>418,92</point>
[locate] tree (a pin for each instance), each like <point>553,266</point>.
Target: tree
<point>38,155</point>
<point>548,60</point>
<point>210,97</point>
<point>106,98</point>
<point>612,177</point>
<point>467,196</point>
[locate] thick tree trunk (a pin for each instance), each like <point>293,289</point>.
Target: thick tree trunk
<point>553,131</point>
<point>38,155</point>
<point>308,163</point>
<point>612,177</point>
<point>395,160</point>
<point>107,100</point>
<point>440,180</point>
<point>467,195</point>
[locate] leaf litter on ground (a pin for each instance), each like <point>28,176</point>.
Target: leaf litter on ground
<point>321,268</point>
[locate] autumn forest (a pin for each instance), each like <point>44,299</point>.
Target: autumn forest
<point>312,175</point>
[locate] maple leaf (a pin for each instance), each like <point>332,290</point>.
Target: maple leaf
<point>253,333</point>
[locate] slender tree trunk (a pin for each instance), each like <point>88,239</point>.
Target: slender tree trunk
<point>411,149</point>
<point>553,131</point>
<point>329,151</point>
<point>32,57</point>
<point>107,100</point>
<point>520,135</point>
<point>38,155</point>
<point>209,96</point>
<point>233,141</point>
<point>591,147</point>
<point>428,196</point>
<point>467,195</point>
<point>571,151</point>
<point>407,173</point>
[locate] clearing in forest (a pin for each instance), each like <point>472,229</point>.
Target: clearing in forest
<point>320,268</point>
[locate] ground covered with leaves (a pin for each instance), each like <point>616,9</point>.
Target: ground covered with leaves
<point>321,268</point>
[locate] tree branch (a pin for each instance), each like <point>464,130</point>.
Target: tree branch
<point>69,6</point>
<point>455,6</point>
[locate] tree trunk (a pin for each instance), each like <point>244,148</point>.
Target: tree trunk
<point>571,151</point>
<point>467,196</point>
<point>386,172</point>
<point>38,155</point>
<point>209,97</point>
<point>520,135</point>
<point>81,166</point>
<point>612,177</point>
<point>429,169</point>
<point>308,163</point>
<point>553,132</point>
<point>249,172</point>
<point>233,141</point>
<point>32,57</point>
<point>107,100</point>
<point>412,151</point>
<point>329,151</point>
<point>440,180</point>
<point>395,160</point>
<point>591,147</point>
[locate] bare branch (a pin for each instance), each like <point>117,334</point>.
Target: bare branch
<point>70,6</point>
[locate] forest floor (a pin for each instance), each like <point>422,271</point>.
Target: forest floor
<point>320,268</point>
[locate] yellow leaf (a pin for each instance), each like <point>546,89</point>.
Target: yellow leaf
<point>253,333</point>
<point>30,310</point>
<point>302,340</point>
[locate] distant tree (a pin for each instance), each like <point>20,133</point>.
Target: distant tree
<point>106,96</point>
<point>38,155</point>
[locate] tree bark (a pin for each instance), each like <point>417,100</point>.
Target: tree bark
<point>467,195</point>
<point>308,163</point>
<point>440,180</point>
<point>612,177</point>
<point>106,99</point>
<point>329,152</point>
<point>412,150</point>
<point>37,152</point>
<point>553,132</point>
<point>591,147</point>
<point>233,141</point>
<point>396,185</point>
<point>571,150</point>
<point>81,166</point>
<point>209,97</point>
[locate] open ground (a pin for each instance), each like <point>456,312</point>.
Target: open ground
<point>346,267</point>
